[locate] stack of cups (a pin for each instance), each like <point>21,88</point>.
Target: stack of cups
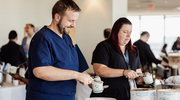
<point>13,70</point>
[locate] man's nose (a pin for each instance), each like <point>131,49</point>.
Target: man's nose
<point>128,35</point>
<point>73,24</point>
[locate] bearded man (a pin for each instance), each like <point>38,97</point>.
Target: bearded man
<point>53,60</point>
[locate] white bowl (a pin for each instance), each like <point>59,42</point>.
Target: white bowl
<point>168,94</point>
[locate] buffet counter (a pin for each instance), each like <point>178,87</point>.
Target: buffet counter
<point>13,92</point>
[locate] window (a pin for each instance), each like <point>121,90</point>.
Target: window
<point>162,29</point>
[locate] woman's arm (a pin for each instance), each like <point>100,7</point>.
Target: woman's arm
<point>106,72</point>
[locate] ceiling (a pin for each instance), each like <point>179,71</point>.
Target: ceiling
<point>153,7</point>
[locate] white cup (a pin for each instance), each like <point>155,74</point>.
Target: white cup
<point>8,78</point>
<point>22,72</point>
<point>13,69</point>
<point>16,82</point>
<point>97,87</point>
<point>148,79</point>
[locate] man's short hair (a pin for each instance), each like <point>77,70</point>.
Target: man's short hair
<point>12,35</point>
<point>62,5</point>
<point>145,33</point>
<point>31,26</point>
<point>107,32</point>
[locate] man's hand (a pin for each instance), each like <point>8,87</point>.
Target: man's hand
<point>164,63</point>
<point>27,48</point>
<point>16,76</point>
<point>84,78</point>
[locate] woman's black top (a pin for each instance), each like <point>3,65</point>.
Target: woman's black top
<point>119,88</point>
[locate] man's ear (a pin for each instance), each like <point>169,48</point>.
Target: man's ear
<point>57,17</point>
<point>16,38</point>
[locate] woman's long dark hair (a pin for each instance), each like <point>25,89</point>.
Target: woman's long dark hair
<point>113,38</point>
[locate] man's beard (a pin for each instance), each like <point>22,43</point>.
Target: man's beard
<point>60,29</point>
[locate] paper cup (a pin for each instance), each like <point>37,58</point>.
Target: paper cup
<point>168,94</point>
<point>8,78</point>
<point>143,94</point>
<point>97,87</point>
<point>148,79</point>
<point>13,69</point>
<point>1,78</point>
<point>16,82</point>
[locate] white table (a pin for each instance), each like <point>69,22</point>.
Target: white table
<point>174,59</point>
<point>174,62</point>
<point>13,92</point>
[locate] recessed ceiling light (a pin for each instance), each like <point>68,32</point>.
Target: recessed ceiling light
<point>137,6</point>
<point>177,8</point>
<point>166,2</point>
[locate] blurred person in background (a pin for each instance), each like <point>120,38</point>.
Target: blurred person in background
<point>0,57</point>
<point>53,62</point>
<point>117,62</point>
<point>178,46</point>
<point>29,29</point>
<point>20,78</point>
<point>174,47</point>
<point>12,52</point>
<point>164,49</point>
<point>145,52</point>
<point>164,54</point>
<point>107,32</point>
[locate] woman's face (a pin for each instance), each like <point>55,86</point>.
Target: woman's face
<point>124,34</point>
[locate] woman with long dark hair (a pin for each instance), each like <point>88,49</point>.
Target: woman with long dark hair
<point>117,62</point>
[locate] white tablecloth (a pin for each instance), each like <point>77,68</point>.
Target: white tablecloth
<point>174,59</point>
<point>82,92</point>
<point>13,93</point>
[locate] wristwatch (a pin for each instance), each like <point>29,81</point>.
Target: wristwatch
<point>21,79</point>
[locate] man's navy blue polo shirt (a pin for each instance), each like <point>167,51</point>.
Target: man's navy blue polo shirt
<point>49,49</point>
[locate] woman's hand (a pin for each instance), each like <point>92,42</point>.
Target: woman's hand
<point>130,74</point>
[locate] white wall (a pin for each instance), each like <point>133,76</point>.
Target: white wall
<point>14,14</point>
<point>119,9</point>
<point>96,15</point>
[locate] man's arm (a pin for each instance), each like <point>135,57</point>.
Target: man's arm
<point>22,55</point>
<point>24,41</point>
<point>18,77</point>
<point>50,73</point>
<point>174,46</point>
<point>151,55</point>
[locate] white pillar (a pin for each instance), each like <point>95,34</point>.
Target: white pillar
<point>119,9</point>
